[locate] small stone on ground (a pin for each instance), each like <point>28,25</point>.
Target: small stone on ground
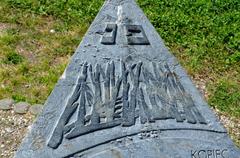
<point>6,104</point>
<point>36,109</point>
<point>21,107</point>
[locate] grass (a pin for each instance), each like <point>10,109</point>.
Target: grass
<point>36,43</point>
<point>39,36</point>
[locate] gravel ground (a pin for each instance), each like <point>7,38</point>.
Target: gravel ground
<point>12,130</point>
<point>232,125</point>
<point>13,127</point>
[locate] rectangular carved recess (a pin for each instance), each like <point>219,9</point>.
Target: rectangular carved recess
<point>136,35</point>
<point>104,99</point>
<point>109,35</point>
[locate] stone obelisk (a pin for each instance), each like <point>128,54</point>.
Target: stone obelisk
<point>125,95</point>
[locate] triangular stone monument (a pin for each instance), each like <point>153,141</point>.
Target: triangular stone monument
<point>123,95</point>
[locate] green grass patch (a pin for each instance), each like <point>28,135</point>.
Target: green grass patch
<point>32,57</point>
<point>225,95</point>
<point>70,11</point>
<point>14,58</point>
<point>206,32</point>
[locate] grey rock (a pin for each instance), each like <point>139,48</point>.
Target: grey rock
<point>6,104</point>
<point>21,107</point>
<point>36,109</point>
<point>132,87</point>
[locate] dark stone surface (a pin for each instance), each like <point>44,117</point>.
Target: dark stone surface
<point>124,95</point>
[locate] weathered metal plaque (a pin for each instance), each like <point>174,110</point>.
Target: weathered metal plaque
<point>124,95</point>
